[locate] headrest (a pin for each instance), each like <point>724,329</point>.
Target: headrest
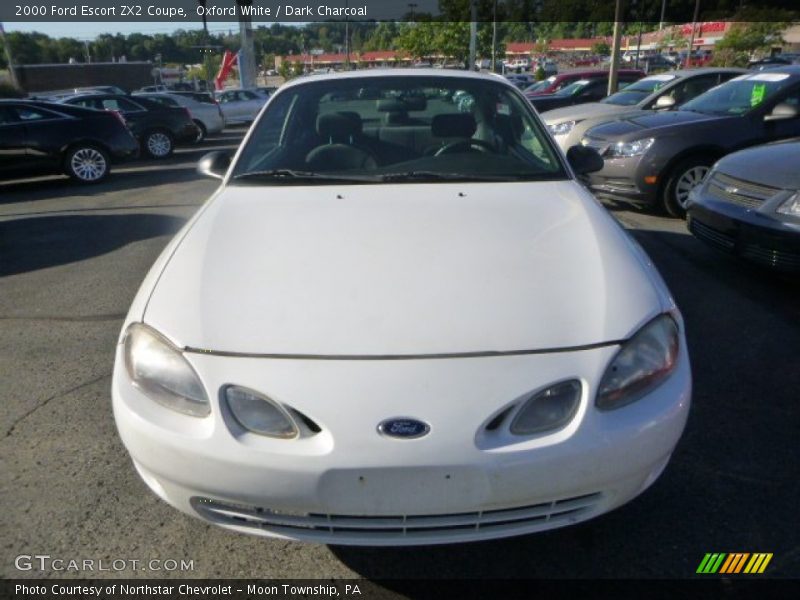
<point>339,125</point>
<point>415,102</point>
<point>396,118</point>
<point>405,103</point>
<point>390,105</point>
<point>453,125</point>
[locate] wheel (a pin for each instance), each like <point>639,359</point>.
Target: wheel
<point>86,163</point>
<point>202,132</point>
<point>461,145</point>
<point>158,143</point>
<point>683,178</point>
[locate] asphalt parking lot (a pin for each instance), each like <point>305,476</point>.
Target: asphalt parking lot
<point>71,259</point>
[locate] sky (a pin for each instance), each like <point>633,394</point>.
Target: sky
<point>89,31</point>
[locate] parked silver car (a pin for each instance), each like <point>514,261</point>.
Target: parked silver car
<point>208,117</point>
<point>240,106</point>
<point>657,92</point>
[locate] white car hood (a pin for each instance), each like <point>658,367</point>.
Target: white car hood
<point>580,112</point>
<point>402,269</point>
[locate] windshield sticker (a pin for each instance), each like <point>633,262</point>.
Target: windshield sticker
<point>503,109</point>
<point>758,94</point>
<point>769,77</point>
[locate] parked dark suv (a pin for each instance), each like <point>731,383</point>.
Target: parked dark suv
<point>42,137</point>
<point>158,128</point>
<point>657,159</point>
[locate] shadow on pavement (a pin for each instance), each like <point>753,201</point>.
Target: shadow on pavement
<point>178,168</point>
<point>731,483</point>
<point>41,242</point>
<point>50,188</point>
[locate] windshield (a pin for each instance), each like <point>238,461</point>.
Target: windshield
<point>739,95</point>
<point>636,92</point>
<point>574,88</point>
<point>539,85</point>
<point>407,128</point>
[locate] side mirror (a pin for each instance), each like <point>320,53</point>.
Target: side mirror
<point>584,160</point>
<point>665,102</point>
<point>214,164</point>
<point>781,111</point>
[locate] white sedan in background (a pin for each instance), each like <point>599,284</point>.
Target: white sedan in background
<point>240,106</point>
<point>399,323</point>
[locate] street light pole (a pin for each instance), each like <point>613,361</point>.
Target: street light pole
<point>494,37</point>
<point>691,39</point>
<point>346,39</point>
<point>613,72</point>
<point>473,33</point>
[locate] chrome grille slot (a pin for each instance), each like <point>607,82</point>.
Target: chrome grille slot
<point>740,192</point>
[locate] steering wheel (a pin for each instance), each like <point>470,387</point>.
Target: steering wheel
<point>461,145</point>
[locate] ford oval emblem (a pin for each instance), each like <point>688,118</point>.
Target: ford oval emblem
<point>404,428</point>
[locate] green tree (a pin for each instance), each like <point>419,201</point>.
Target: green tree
<point>744,40</point>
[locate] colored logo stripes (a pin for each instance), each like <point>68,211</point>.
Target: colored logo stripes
<point>735,562</point>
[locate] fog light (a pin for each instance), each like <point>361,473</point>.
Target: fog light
<point>259,414</point>
<point>549,409</point>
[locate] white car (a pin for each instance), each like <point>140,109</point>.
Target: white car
<point>206,115</point>
<point>395,323</point>
<point>240,106</point>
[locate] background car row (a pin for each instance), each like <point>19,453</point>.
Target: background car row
<point>81,134</point>
<point>660,136</point>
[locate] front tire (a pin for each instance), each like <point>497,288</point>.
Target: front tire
<point>202,132</point>
<point>683,178</point>
<point>158,143</point>
<point>86,163</point>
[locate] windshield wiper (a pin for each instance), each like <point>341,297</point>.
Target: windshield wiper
<point>292,174</point>
<point>439,176</point>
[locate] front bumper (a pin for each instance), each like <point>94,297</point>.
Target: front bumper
<point>752,235</point>
<point>350,485</point>
<point>620,179</point>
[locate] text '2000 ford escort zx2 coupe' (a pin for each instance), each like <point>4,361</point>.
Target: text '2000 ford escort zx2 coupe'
<point>401,320</point>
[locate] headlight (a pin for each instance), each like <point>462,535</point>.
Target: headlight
<point>562,128</point>
<point>791,206</point>
<point>549,409</point>
<point>626,149</point>
<point>159,369</point>
<point>259,414</point>
<point>642,364</point>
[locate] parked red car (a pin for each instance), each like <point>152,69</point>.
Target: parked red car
<point>556,82</point>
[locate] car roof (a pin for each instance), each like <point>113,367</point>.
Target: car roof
<point>704,70</point>
<point>399,72</point>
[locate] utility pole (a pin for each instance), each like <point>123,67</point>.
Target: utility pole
<point>663,13</point>
<point>494,37</point>
<point>691,39</point>
<point>7,48</point>
<point>613,72</point>
<point>473,33</point>
<point>346,38</point>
